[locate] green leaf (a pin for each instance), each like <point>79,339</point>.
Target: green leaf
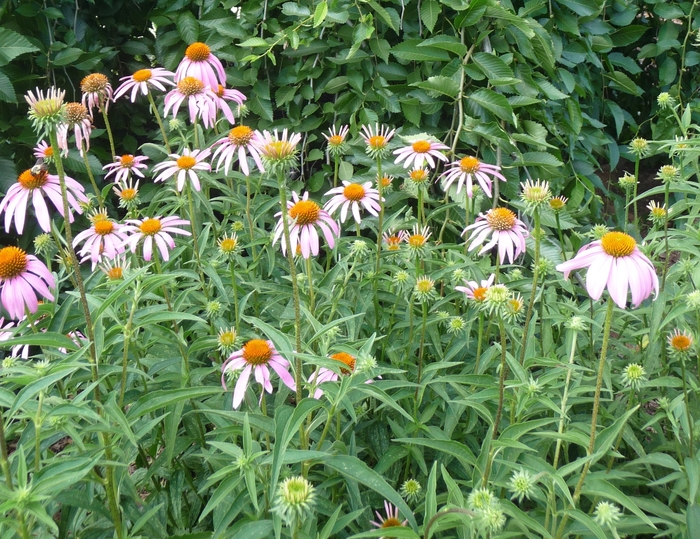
<point>384,15</point>
<point>588,522</point>
<point>166,397</point>
<point>597,487</point>
<point>448,43</point>
<point>320,13</point>
<point>188,27</point>
<point>12,45</point>
<point>39,385</point>
<point>493,102</point>
<point>584,8</point>
<point>66,56</point>
<point>628,35</point>
<point>456,449</point>
<point>410,50</point>
<point>620,81</point>
<point>254,42</point>
<point>429,12</point>
<point>492,66</point>
<point>7,91</point>
<point>539,159</point>
<point>345,171</point>
<point>692,520</point>
<point>440,85</point>
<point>353,468</point>
<point>56,340</point>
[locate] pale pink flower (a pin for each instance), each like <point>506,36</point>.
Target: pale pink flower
<point>278,150</point>
<point>240,139</point>
<point>351,196</point>
<point>391,520</point>
<point>77,119</point>
<point>97,91</point>
<point>142,79</point>
<point>155,229</point>
<point>419,152</point>
<point>377,139</point>
<point>505,229</point>
<point>22,276</point>
<point>327,375</point>
<point>476,291</point>
<point>125,165</point>
<point>304,216</point>
<point>201,64</point>
<point>256,355</point>
<point>104,238</point>
<point>222,95</point>
<point>6,333</point>
<point>37,186</point>
<point>43,151</point>
<point>615,262</point>
<point>468,168</point>
<point>184,166</point>
<point>201,101</point>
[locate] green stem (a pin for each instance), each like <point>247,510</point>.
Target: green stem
<point>336,166</point>
<point>479,342</point>
<point>666,251</point>
<point>84,153</point>
<point>380,226</point>
<point>501,396</point>
<point>160,122</point>
<point>310,277</point>
<point>109,132</point>
<point>195,241</point>
<point>688,418</point>
<point>249,216</point>
<point>420,356</point>
<point>634,194</point>
<point>533,291</point>
<point>561,236</point>
<point>232,267</point>
<point>38,420</point>
<point>4,456</point>
<point>594,414</point>
<point>127,339</point>
<point>564,399</point>
<point>421,213</point>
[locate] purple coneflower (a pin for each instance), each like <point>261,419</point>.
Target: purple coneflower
<point>142,80</point>
<point>184,166</point>
<point>468,168</point>
<point>505,229</point>
<point>125,165</point>
<point>351,196</point>
<point>155,229</point>
<point>22,276</point>
<point>419,152</point>
<point>201,64</point>
<point>240,139</point>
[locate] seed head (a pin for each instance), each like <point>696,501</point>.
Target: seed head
<point>535,194</point>
<point>43,244</point>
<point>576,323</point>
<point>627,182</point>
<point>598,231</point>
<point>424,289</point>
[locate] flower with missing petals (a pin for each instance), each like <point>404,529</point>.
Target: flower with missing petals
<point>327,375</point>
<point>336,140</point>
<point>419,152</point>
<point>350,197</point>
<point>256,355</point>
<point>392,241</point>
<point>506,231</point>
<point>115,268</point>
<point>44,151</point>
<point>77,119</point>
<point>467,169</point>
<point>391,520</point>
<point>105,238</point>
<point>45,111</point>
<point>418,240</point>
<point>97,92</point>
<point>143,80</point>
<point>535,194</point>
<point>183,167</point>
<point>200,100</point>
<point>476,291</point>
<point>615,262</point>
<point>222,95</point>
<point>22,277</point>
<point>128,193</point>
<point>278,151</point>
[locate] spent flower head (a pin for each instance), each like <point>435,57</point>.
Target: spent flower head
<point>557,203</point>
<point>598,231</point>
<point>228,245</point>
<point>495,298</point>
<point>576,323</point>
<point>295,499</point>
<point>44,244</point>
<point>692,300</point>
<point>633,375</point>
<point>665,101</point>
<point>481,498</point>
<point>424,289</point>
<point>514,308</point>
<point>456,324</point>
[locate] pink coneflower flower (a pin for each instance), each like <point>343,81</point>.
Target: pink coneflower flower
<point>327,375</point>
<point>97,92</point>
<point>505,229</point>
<point>22,276</point>
<point>418,240</point>
<point>615,261</point>
<point>377,139</point>
<point>35,185</point>
<point>184,166</point>
<point>350,196</point>
<point>393,241</point>
<point>222,95</point>
<point>43,151</point>
<point>201,101</point>
<point>128,194</point>
<point>115,268</point>
<point>336,139</point>
<point>6,333</point>
<point>255,355</point>
<point>201,64</point>
<point>240,139</point>
<point>77,119</point>
<point>155,229</point>
<point>306,215</point>
<point>104,238</point>
<point>391,520</point>
<point>419,152</point>
<point>142,79</point>
<point>125,165</point>
<point>476,291</point>
<point>468,168</point>
<point>276,150</point>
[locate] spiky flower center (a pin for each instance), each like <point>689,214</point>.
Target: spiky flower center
<point>501,219</point>
<point>257,352</point>
<point>128,194</point>
<point>421,146</point>
<point>142,75</point>
<point>305,212</point>
<point>424,285</point>
<point>347,359</point>
<point>416,241</point>
<point>227,338</point>
<point>126,161</point>
<point>469,165</point>
<point>116,273</point>
<point>377,142</point>
<point>219,91</point>
<point>186,162</point>
<point>150,226</point>
<point>228,245</point>
<point>393,243</point>
<point>33,181</point>
<point>240,135</point>
<point>277,150</point>
<point>385,181</point>
<point>190,86</point>
<point>516,305</point>
<point>48,151</point>
<point>391,522</point>
<point>557,203</point>
<point>197,52</point>
<point>618,244</point>
<point>104,227</point>
<point>480,293</point>
<point>335,140</point>
<point>418,175</point>
<point>13,261</point>
<point>681,341</point>
<point>354,192</point>
<point>75,113</point>
<point>96,82</point>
